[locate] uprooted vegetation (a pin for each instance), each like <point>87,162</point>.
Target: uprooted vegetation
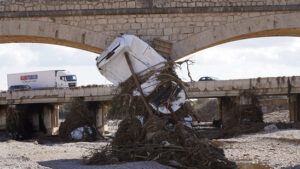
<point>19,125</point>
<point>205,109</point>
<point>80,122</point>
<point>158,139</point>
<point>163,137</point>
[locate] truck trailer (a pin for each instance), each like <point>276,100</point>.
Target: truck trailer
<point>41,80</point>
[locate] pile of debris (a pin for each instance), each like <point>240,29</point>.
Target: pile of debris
<point>158,120</point>
<point>161,139</point>
<point>205,109</point>
<point>251,112</point>
<point>80,122</point>
<point>19,124</point>
<point>166,138</point>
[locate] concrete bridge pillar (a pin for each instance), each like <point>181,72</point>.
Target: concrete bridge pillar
<point>245,100</point>
<point>219,103</point>
<point>36,120</point>
<point>228,111</point>
<point>101,116</point>
<point>50,118</point>
<point>3,112</point>
<point>294,107</point>
<point>240,109</point>
<point>249,109</point>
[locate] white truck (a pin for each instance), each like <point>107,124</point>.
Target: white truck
<point>41,80</point>
<point>112,64</point>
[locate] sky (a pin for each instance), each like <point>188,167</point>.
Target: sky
<point>251,58</point>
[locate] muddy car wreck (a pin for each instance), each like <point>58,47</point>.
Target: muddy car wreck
<point>157,119</point>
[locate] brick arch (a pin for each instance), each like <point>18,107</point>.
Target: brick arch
<point>261,26</point>
<point>51,33</point>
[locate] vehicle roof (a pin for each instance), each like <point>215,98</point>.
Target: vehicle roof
<point>34,72</point>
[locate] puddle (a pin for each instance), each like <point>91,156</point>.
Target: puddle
<point>247,165</point>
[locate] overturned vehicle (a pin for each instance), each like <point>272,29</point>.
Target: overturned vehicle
<point>130,56</point>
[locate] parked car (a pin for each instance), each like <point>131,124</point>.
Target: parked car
<point>207,78</point>
<point>19,87</point>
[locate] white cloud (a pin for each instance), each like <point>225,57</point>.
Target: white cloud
<point>251,58</point>
<point>17,55</point>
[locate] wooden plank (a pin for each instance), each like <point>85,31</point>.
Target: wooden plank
<point>162,43</point>
<point>162,47</point>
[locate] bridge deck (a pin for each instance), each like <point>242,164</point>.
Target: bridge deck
<point>205,89</point>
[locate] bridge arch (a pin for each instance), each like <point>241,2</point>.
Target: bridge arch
<point>261,26</point>
<point>51,33</point>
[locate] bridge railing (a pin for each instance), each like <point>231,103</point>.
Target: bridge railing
<point>93,91</point>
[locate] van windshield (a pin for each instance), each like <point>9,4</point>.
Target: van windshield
<point>71,78</point>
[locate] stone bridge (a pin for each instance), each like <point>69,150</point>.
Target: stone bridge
<point>190,25</point>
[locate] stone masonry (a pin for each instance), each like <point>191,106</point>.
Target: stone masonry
<point>191,25</point>
<point>44,5</point>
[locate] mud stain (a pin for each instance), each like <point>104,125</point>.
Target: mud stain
<point>247,165</point>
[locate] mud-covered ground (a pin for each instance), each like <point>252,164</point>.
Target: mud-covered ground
<point>275,148</point>
<point>268,149</point>
<point>30,154</point>
<point>272,149</point>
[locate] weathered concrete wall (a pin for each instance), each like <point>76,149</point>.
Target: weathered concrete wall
<point>101,116</point>
<point>243,109</point>
<point>269,105</point>
<point>3,112</point>
<point>294,107</point>
<point>50,118</point>
<point>230,115</point>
